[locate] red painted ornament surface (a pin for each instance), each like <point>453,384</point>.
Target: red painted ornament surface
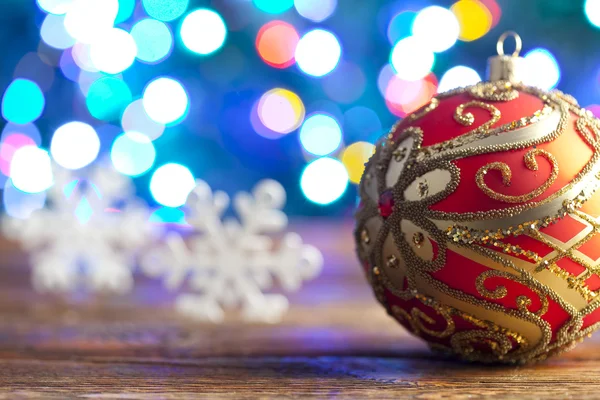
<point>479,223</point>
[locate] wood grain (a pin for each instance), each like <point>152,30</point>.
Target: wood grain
<point>335,342</point>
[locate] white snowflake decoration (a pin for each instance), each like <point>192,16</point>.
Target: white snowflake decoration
<point>78,238</point>
<point>231,263</point>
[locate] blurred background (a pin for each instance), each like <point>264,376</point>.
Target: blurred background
<point>234,91</point>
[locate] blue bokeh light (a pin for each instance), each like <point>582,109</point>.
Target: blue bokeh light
<point>320,134</point>
<point>23,102</point>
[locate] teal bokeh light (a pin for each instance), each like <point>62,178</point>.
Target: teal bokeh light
<point>23,102</point>
<point>273,6</point>
<point>165,10</point>
<point>153,38</point>
<point>107,98</point>
<point>126,8</point>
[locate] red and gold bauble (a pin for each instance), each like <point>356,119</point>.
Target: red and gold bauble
<point>479,224</point>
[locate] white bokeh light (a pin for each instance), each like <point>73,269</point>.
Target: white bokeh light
<point>458,76</point>
<point>114,52</point>
<point>88,20</point>
<point>436,28</point>
<point>318,52</point>
<point>132,153</point>
<point>203,31</point>
<point>541,69</point>
<point>171,184</point>
<point>165,100</point>
<point>324,180</point>
<point>57,7</point>
<point>135,119</point>
<point>592,12</point>
<point>74,145</point>
<point>54,34</point>
<point>315,10</point>
<point>31,169</point>
<point>411,60</point>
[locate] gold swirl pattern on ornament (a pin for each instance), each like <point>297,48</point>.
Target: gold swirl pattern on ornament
<point>494,91</point>
<point>468,119</point>
<point>523,302</point>
<point>464,343</point>
<point>506,172</point>
<point>586,127</point>
<point>417,320</point>
<point>433,103</point>
<point>461,341</point>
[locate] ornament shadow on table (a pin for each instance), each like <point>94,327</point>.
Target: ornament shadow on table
<point>232,263</point>
<point>479,219</point>
<point>93,229</point>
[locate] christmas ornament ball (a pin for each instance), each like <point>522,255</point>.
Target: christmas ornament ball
<point>478,226</point>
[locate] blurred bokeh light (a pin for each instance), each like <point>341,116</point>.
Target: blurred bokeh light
<point>315,10</point>
<point>74,145</point>
<point>436,28</point>
<point>165,10</point>
<point>411,59</point>
<point>153,40</point>
<point>474,18</point>
<point>320,134</point>
<point>324,180</point>
<point>458,76</point>
<point>171,183</point>
<point>165,101</point>
<point>318,52</point>
<point>354,158</point>
<point>23,102</point>
<point>280,111</point>
<point>203,31</point>
<point>240,90</point>
<point>132,153</point>
<point>542,69</point>
<point>31,169</point>
<point>276,43</point>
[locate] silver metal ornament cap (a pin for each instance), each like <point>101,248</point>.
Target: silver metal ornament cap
<point>504,67</point>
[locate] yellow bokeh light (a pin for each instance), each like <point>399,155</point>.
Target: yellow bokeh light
<point>354,158</point>
<point>474,18</point>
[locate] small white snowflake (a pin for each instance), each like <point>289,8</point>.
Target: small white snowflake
<point>87,234</point>
<point>231,263</point>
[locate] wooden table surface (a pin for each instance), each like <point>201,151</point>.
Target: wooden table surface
<point>335,342</point>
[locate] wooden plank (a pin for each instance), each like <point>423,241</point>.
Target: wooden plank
<point>336,341</point>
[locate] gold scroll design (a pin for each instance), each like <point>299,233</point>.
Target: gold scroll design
<point>467,119</point>
<point>589,129</point>
<point>531,164</point>
<point>499,292</point>
<point>497,338</point>
<point>494,91</point>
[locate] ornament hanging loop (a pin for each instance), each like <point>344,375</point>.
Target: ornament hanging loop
<point>503,37</point>
<point>506,68</point>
